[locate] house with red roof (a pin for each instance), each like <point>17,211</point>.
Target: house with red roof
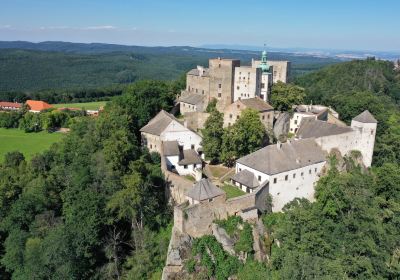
<point>10,106</point>
<point>36,106</point>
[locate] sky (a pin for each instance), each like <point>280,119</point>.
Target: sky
<point>314,24</point>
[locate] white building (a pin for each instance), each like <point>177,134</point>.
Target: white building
<point>316,112</point>
<point>183,162</point>
<point>290,169</point>
<point>165,127</point>
<point>360,136</point>
<point>247,83</point>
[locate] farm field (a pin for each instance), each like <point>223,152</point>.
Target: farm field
<point>27,143</point>
<point>87,106</point>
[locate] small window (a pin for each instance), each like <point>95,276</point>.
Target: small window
<point>240,169</point>
<point>262,85</point>
<point>294,175</point>
<point>263,117</point>
<point>185,166</point>
<point>202,91</point>
<point>268,116</point>
<point>295,121</point>
<point>286,177</point>
<point>259,178</point>
<point>219,94</point>
<point>192,147</point>
<point>309,171</point>
<point>302,173</point>
<point>275,180</point>
<point>230,116</point>
<point>237,87</point>
<point>219,85</point>
<point>315,170</point>
<point>196,90</point>
<point>151,146</point>
<point>237,117</point>
<point>238,106</point>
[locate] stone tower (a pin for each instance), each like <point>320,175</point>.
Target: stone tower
<point>222,73</point>
<point>365,124</point>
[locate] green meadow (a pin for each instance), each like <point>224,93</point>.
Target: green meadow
<point>27,143</point>
<point>87,106</point>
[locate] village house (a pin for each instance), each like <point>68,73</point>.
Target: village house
<point>10,106</point>
<point>266,112</point>
<point>204,191</point>
<point>36,106</point>
<point>180,146</point>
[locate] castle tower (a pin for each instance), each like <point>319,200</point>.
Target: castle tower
<point>365,124</point>
<point>266,77</point>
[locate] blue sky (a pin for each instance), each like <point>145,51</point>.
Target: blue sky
<point>328,24</point>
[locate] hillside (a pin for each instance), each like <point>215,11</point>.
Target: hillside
<point>31,67</point>
<point>353,76</point>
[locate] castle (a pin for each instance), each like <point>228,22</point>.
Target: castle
<point>283,171</point>
<point>227,81</point>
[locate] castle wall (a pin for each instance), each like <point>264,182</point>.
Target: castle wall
<point>344,142</point>
<point>152,142</point>
<point>232,114</point>
<point>196,219</point>
<point>185,108</point>
<point>196,120</point>
<point>198,84</point>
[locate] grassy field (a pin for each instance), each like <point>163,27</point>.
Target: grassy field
<point>27,143</point>
<point>87,106</point>
<point>232,191</point>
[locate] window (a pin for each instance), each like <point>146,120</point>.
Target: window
<point>196,90</point>
<point>262,85</point>
<point>237,87</point>
<point>275,180</point>
<point>184,105</point>
<point>202,92</point>
<point>185,166</point>
<point>230,116</point>
<point>151,146</point>
<point>238,106</point>
<point>219,94</point>
<point>286,177</point>
<point>259,178</point>
<point>263,117</point>
<point>210,200</point>
<point>302,173</point>
<point>315,170</point>
<point>240,169</point>
<point>268,116</point>
<point>309,171</point>
<point>295,121</point>
<point>294,175</point>
<point>219,85</point>
<point>237,117</point>
<point>192,147</point>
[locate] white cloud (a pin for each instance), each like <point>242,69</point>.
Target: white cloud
<point>101,27</point>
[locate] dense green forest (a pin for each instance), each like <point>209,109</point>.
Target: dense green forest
<point>93,206</point>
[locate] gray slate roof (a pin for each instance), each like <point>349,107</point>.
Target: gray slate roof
<point>290,156</point>
<point>246,178</point>
<point>170,148</point>
<point>311,128</point>
<point>190,157</point>
<point>257,103</point>
<point>365,117</point>
<point>159,123</point>
<point>193,99</point>
<point>203,190</point>
<point>195,72</point>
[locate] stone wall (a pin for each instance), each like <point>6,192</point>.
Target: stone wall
<point>196,120</point>
<point>196,220</point>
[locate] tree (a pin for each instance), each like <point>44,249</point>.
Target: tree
<point>284,96</point>
<point>244,137</point>
<point>212,136</point>
<point>212,105</point>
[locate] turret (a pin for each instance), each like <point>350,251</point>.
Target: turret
<point>366,125</point>
<point>264,64</point>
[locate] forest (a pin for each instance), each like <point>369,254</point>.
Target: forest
<point>93,206</point>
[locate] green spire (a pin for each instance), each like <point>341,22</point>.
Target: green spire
<point>264,65</point>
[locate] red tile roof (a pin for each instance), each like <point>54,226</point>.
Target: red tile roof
<point>35,105</point>
<point>10,104</point>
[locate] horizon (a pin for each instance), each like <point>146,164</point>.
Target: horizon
<point>338,25</point>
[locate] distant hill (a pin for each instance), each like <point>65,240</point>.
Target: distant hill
<point>376,76</point>
<point>26,66</point>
